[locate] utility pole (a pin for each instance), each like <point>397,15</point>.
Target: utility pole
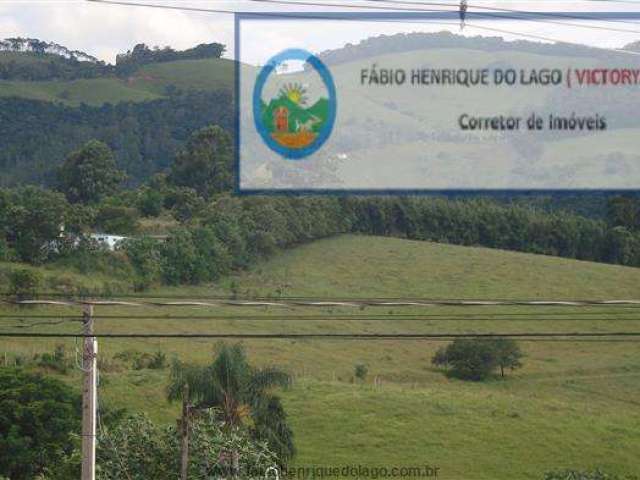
<point>184,430</point>
<point>89,395</point>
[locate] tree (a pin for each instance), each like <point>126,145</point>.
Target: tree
<point>205,164</point>
<point>476,358</point>
<point>117,220</point>
<point>144,254</point>
<point>138,449</point>
<point>24,283</point>
<point>193,255</point>
<point>624,211</point>
<point>271,426</point>
<point>239,391</point>
<point>150,202</point>
<point>35,219</point>
<point>508,353</point>
<point>90,173</point>
<point>38,416</point>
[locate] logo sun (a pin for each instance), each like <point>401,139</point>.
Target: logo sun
<point>294,92</point>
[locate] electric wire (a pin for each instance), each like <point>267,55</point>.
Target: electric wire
<point>351,336</point>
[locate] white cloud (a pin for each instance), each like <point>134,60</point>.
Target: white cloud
<point>105,30</point>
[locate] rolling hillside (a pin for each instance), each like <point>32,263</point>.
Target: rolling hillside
<point>574,404</point>
<point>149,82</point>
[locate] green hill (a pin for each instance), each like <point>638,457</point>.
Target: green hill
<point>363,266</point>
<point>573,404</point>
<point>149,82</point>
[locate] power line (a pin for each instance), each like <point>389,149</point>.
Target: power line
<point>352,336</point>
<point>523,317</point>
<point>522,14</point>
<point>390,9</point>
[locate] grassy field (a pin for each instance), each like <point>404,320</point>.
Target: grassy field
<point>573,404</point>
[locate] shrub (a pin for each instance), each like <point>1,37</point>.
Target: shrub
<point>140,360</point>
<point>144,255</point>
<point>24,283</point>
<point>150,202</point>
<point>194,256</point>
<point>117,220</point>
<point>361,371</point>
<point>158,361</point>
<point>40,415</point>
<point>55,361</point>
<point>157,451</point>
<point>6,253</point>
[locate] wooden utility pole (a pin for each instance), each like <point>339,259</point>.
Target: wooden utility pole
<point>184,430</point>
<point>89,396</point>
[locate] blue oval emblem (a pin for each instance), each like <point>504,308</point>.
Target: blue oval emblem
<point>287,123</point>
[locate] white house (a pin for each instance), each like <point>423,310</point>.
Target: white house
<point>107,240</point>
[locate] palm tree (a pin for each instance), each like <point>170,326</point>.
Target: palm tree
<point>238,391</point>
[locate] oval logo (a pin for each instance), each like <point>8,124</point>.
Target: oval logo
<point>296,120</point>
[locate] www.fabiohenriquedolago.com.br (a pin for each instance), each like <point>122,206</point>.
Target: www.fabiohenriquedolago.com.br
<point>354,471</point>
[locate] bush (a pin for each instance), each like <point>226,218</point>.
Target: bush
<point>34,217</point>
<point>6,253</point>
<point>194,256</point>
<point>141,360</point>
<point>361,371</point>
<point>477,358</point>
<point>38,416</point>
<point>157,451</point>
<point>158,361</point>
<point>117,220</point>
<point>150,202</point>
<point>24,283</point>
<point>144,255</point>
<point>55,361</point>
<point>184,203</point>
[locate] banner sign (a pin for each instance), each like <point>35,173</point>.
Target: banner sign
<point>429,112</point>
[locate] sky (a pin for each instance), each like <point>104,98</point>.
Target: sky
<point>103,30</point>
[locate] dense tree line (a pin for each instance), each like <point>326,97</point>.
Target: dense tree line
<point>35,136</point>
<point>141,54</point>
<point>405,42</point>
<point>40,60</point>
<point>231,233</point>
<point>509,227</point>
<point>220,233</point>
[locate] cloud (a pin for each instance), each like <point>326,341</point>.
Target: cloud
<point>105,30</point>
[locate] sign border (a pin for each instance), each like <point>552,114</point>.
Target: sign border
<point>405,16</point>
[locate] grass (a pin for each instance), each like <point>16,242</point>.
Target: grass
<point>94,92</point>
<point>386,267</point>
<point>573,404</point>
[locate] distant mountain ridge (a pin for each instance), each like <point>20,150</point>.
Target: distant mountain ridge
<point>405,42</point>
<point>146,115</point>
<point>32,59</point>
